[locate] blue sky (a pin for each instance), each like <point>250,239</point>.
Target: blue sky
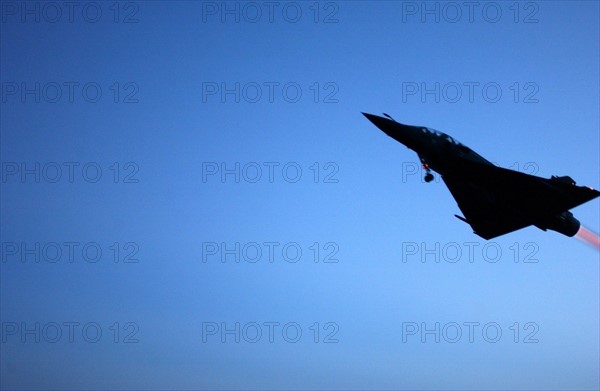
<point>170,175</point>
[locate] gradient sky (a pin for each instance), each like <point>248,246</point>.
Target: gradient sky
<point>191,88</point>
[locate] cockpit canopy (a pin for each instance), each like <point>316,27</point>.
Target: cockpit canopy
<point>441,135</point>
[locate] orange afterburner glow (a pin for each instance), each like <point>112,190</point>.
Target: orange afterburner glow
<point>589,237</point>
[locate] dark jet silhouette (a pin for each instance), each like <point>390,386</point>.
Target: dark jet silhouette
<point>494,200</point>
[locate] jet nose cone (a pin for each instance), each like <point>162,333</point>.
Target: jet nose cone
<point>378,121</point>
<point>370,117</point>
<point>405,134</point>
<point>384,124</point>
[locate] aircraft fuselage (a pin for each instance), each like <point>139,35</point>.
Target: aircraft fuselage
<point>493,199</point>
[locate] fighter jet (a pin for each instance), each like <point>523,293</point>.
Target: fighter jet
<point>493,200</point>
